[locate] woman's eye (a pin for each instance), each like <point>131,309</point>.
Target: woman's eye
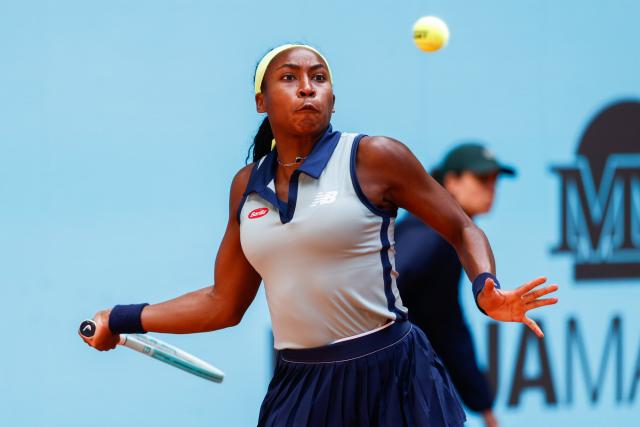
<point>320,77</point>
<point>288,77</point>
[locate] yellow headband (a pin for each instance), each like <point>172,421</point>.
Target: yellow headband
<point>266,60</point>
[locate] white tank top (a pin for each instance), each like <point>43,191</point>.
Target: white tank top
<point>327,255</point>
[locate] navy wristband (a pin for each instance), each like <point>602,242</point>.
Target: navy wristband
<point>126,319</point>
<point>478,286</point>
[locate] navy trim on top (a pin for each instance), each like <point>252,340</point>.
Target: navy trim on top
<point>313,166</point>
<point>356,184</point>
<point>387,268</point>
<point>384,229</point>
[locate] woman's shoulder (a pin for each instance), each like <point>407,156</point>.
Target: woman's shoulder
<point>240,182</point>
<point>378,145</point>
<point>241,178</point>
<point>382,151</point>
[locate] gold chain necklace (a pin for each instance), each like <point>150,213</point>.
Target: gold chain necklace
<point>298,160</point>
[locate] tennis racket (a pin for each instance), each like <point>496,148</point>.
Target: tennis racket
<point>160,350</point>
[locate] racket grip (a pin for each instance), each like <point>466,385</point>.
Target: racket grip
<point>87,328</point>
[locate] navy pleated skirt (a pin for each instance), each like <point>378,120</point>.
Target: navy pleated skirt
<point>388,378</point>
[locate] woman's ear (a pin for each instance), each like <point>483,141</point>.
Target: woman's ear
<point>260,103</point>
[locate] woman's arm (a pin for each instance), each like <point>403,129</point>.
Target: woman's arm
<point>214,307</point>
<point>223,304</point>
<point>392,177</point>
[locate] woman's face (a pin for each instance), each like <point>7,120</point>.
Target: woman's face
<point>296,93</point>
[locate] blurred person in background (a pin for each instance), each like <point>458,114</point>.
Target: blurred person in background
<point>429,272</point>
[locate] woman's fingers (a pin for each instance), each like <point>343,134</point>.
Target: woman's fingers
<point>540,303</point>
<point>533,295</point>
<point>529,286</point>
<point>533,326</point>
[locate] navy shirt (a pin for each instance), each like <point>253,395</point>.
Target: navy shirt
<point>429,273</point>
<point>429,283</point>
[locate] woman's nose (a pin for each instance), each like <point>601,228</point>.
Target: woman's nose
<point>306,88</point>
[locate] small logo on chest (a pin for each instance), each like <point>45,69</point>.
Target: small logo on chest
<point>257,213</point>
<point>324,198</point>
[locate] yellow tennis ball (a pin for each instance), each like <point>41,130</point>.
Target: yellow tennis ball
<point>430,33</point>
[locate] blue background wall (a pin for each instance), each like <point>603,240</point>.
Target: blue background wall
<point>122,124</point>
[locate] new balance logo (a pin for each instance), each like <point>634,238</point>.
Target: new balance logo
<point>324,198</point>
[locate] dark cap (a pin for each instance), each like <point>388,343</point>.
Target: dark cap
<point>474,158</point>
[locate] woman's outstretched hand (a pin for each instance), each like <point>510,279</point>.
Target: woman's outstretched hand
<point>512,306</point>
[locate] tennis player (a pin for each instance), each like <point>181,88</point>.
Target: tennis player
<point>429,272</point>
<point>313,218</point>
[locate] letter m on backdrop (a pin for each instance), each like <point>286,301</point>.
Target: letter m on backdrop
<point>600,222</point>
